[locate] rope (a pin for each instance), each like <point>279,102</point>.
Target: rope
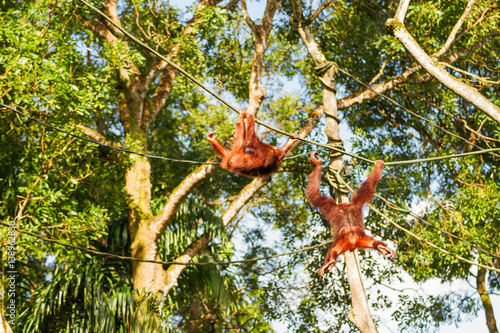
<point>437,158</point>
<point>327,70</point>
<point>407,110</point>
<point>337,178</point>
<point>297,156</point>
<point>194,80</point>
<point>335,150</point>
<point>103,144</point>
<point>116,256</point>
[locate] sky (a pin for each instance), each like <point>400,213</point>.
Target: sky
<point>434,286</point>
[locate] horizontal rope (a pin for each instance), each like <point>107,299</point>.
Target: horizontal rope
<point>116,256</point>
<point>216,163</point>
<point>103,144</point>
<point>444,157</point>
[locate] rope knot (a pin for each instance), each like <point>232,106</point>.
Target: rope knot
<point>326,73</point>
<point>338,178</point>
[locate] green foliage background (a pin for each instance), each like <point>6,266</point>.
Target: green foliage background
<point>54,185</point>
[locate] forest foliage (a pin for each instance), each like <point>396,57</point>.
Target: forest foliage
<point>63,64</point>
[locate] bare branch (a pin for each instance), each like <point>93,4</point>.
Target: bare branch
<point>247,18</point>
<point>261,35</point>
<point>380,72</point>
<point>272,7</point>
<point>100,29</point>
<point>474,47</point>
<point>452,37</point>
<point>308,126</point>
<point>162,220</point>
<point>110,9</point>
<point>380,88</point>
<point>477,77</point>
<point>318,11</point>
<point>173,272</point>
<point>306,35</point>
<point>231,4</point>
<point>475,23</point>
<point>486,301</point>
<point>97,137</point>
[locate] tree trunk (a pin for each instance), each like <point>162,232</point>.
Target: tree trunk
<point>485,299</point>
<point>138,186</point>
<point>359,315</point>
<point>194,320</point>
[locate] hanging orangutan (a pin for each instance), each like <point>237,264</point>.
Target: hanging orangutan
<point>249,156</point>
<point>346,219</point>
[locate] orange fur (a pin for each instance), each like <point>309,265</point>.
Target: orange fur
<point>346,219</point>
<point>249,156</point>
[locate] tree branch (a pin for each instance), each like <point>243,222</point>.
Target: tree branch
<point>98,137</point>
<point>318,11</point>
<point>179,194</point>
<point>261,34</point>
<point>454,57</point>
<point>360,96</point>
<point>380,72</point>
<point>486,301</point>
<point>308,126</point>
<point>231,4</point>
<point>247,18</point>
<point>402,9</point>
<point>431,66</point>
<point>452,37</point>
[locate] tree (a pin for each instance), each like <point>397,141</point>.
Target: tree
<point>68,66</point>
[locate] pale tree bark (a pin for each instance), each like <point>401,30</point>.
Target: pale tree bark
<point>431,65</point>
<point>408,75</point>
<point>359,315</point>
<point>486,301</point>
<point>4,325</point>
